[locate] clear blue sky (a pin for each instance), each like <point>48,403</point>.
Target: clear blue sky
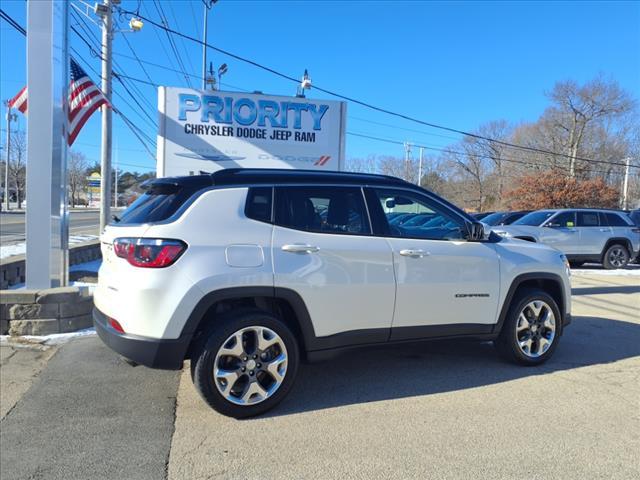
<point>458,64</point>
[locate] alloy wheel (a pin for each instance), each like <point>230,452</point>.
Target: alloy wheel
<point>250,365</point>
<point>535,329</point>
<point>618,257</point>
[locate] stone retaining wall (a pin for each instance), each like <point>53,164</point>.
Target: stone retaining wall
<point>42,312</point>
<point>12,269</point>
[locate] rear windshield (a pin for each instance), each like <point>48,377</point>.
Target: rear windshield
<point>494,218</point>
<point>534,219</point>
<point>158,203</point>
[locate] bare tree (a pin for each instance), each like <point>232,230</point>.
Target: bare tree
<point>18,165</point>
<point>362,165</point>
<point>77,173</point>
<point>576,108</point>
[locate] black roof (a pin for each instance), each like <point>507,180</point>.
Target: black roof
<point>266,176</point>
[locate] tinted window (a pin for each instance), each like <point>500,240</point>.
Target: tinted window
<point>158,203</point>
<point>588,219</point>
<point>615,220</point>
<point>494,218</point>
<point>562,220</point>
<point>322,209</point>
<point>259,204</point>
<point>440,223</point>
<point>534,219</point>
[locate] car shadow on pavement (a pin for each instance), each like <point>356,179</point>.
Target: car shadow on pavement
<point>407,370</point>
<point>605,290</point>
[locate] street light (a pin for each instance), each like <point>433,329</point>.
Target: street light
<point>305,84</point>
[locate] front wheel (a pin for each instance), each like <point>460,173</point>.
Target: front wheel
<point>247,365</point>
<point>531,330</point>
<point>616,256</point>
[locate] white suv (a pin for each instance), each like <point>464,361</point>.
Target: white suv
<point>248,271</point>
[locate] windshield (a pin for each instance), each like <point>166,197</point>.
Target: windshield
<point>534,219</point>
<point>493,219</point>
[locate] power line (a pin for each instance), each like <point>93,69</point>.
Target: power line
<point>368,105</point>
<point>138,134</point>
<point>454,152</point>
<point>163,19</point>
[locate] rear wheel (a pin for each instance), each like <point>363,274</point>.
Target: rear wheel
<point>531,331</point>
<point>616,256</point>
<point>247,365</point>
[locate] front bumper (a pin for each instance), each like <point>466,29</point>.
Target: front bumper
<point>150,352</point>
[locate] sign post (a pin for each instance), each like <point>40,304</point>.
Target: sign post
<point>47,84</point>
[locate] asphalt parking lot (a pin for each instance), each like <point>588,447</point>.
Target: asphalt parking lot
<point>438,410</point>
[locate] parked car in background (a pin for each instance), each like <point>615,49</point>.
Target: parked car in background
<point>634,215</point>
<point>504,218</point>
<point>583,235</point>
<point>480,215</point>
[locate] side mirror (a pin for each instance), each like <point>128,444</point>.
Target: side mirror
<point>475,231</point>
<point>391,203</point>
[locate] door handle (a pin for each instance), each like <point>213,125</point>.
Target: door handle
<point>300,248</point>
<point>414,253</point>
<point>604,229</point>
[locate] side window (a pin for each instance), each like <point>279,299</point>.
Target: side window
<point>615,220</point>
<point>339,210</point>
<point>563,220</point>
<point>258,205</point>
<point>588,219</point>
<point>423,217</point>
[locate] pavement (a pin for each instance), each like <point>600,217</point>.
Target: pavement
<point>437,410</point>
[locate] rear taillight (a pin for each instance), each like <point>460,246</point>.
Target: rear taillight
<point>149,252</point>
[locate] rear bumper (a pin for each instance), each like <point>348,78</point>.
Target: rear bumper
<point>150,352</point>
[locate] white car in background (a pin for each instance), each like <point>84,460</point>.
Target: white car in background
<point>583,235</point>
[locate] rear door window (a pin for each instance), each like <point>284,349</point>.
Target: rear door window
<point>338,210</point>
<point>588,219</point>
<point>259,204</point>
<point>159,202</point>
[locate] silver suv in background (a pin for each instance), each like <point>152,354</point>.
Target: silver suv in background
<point>583,235</point>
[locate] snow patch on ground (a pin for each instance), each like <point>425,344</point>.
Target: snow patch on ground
<point>606,273</point>
<point>93,266</point>
<point>21,248</point>
<point>53,339</point>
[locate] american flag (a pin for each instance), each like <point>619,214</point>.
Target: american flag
<point>84,99</point>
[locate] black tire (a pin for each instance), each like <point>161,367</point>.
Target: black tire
<point>202,363</point>
<point>507,343</point>
<point>616,256</point>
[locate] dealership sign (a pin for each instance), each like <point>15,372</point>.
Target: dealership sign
<point>205,131</point>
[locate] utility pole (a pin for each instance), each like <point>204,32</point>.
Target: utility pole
<point>207,6</point>
<point>10,116</point>
<point>625,185</point>
<point>420,167</point>
<point>105,154</point>
<point>407,154</point>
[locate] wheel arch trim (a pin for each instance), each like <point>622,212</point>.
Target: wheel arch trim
<point>526,277</point>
